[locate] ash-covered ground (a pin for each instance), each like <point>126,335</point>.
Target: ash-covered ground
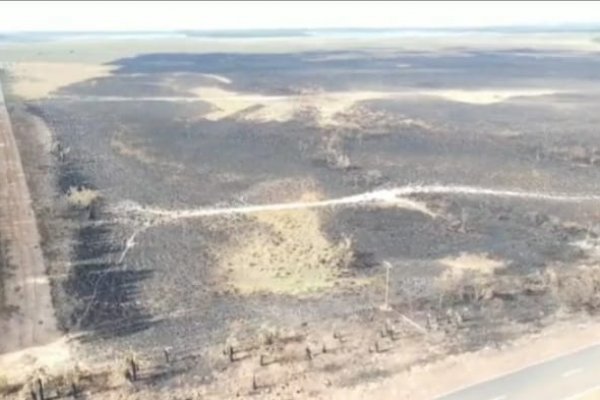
<point>192,131</point>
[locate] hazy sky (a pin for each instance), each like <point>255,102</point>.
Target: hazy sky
<point>168,15</point>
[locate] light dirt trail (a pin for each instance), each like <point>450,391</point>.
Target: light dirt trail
<point>390,196</point>
<point>162,215</point>
<point>97,99</point>
<point>28,287</point>
<point>130,242</point>
<point>399,196</point>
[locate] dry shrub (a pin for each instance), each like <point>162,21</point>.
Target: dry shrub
<point>469,277</point>
<point>469,287</point>
<point>577,288</point>
<point>332,151</point>
<point>7,388</point>
<point>82,197</point>
<point>270,335</point>
<point>580,288</point>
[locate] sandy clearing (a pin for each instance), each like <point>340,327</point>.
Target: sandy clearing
<point>285,252</point>
<point>484,97</point>
<point>228,103</point>
<point>262,108</point>
<point>51,357</point>
<point>35,80</point>
<point>592,394</point>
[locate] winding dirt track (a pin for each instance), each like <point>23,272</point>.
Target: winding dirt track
<point>27,288</point>
<point>397,196</point>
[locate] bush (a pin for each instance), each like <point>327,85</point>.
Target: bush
<point>7,388</point>
<point>580,289</point>
<point>82,197</point>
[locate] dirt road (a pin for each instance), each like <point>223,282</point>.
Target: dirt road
<point>27,287</point>
<point>393,196</point>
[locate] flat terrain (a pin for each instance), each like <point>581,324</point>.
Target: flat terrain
<point>559,378</point>
<point>26,313</point>
<point>239,208</point>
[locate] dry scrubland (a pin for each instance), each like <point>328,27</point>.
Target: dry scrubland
<point>159,299</point>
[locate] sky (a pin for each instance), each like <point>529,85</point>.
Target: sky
<point>174,15</point>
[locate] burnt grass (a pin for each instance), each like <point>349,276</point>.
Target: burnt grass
<point>344,70</point>
<point>6,271</point>
<point>106,292</point>
<point>103,292</point>
<point>165,293</point>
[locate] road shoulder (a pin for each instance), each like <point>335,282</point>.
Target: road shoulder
<point>464,370</point>
<point>27,288</point>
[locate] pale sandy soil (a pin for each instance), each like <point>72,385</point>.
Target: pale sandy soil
<point>486,96</point>
<point>593,394</point>
<point>261,108</point>
<point>35,80</point>
<point>53,358</point>
<point>285,252</point>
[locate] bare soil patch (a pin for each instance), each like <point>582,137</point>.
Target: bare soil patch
<point>484,97</point>
<point>35,80</point>
<point>286,252</point>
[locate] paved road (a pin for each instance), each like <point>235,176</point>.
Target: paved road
<point>572,376</point>
<point>27,286</point>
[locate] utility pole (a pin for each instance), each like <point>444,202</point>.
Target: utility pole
<point>386,305</point>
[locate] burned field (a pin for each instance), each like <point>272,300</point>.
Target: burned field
<point>136,153</point>
<point>6,270</point>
